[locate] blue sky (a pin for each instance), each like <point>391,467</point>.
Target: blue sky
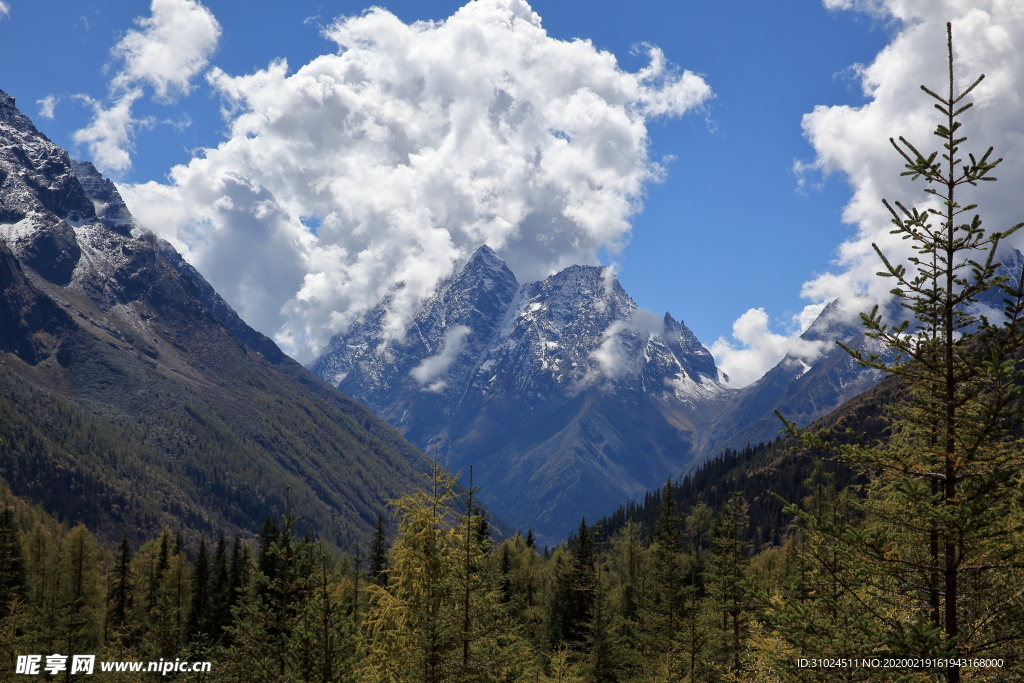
<point>729,228</point>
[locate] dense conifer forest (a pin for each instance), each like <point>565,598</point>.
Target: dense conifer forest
<point>674,589</point>
<point>437,599</point>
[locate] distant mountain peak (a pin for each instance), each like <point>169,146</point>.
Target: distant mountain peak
<point>836,321</point>
<point>490,368</point>
<point>484,255</point>
<point>814,378</point>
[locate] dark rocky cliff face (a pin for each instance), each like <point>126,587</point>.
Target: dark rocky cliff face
<point>25,313</point>
<point>39,190</point>
<point>207,421</point>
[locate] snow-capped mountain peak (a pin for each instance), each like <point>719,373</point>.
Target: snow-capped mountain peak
<point>487,362</point>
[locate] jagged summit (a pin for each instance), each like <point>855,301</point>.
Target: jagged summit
<point>834,322</point>
<point>814,378</point>
<point>566,396</point>
<point>563,393</point>
<point>462,316</point>
<point>11,116</point>
<point>482,260</point>
<point>40,196</point>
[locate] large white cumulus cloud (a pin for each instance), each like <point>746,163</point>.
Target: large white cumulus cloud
<point>173,46</point>
<point>376,168</point>
<point>854,142</point>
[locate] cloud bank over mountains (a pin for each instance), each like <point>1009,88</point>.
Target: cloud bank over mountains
<point>373,170</point>
<point>853,142</point>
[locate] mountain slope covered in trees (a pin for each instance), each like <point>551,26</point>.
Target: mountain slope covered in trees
<point>133,397</point>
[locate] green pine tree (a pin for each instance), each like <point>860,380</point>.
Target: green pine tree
<point>79,612</point>
<point>222,593</point>
<point>727,590</point>
<point>605,656</point>
<point>441,616</point>
<point>580,584</point>
<point>627,579</point>
<point>200,617</point>
<point>323,644</point>
<point>663,613</point>
<point>524,585</point>
<point>934,570</point>
<point>119,592</point>
<point>266,616</point>
<point>164,631</point>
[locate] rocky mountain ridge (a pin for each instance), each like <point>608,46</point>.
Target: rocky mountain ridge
<point>484,335</point>
<point>134,397</point>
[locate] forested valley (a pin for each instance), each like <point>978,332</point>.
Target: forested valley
<point>695,583</point>
<point>674,593</point>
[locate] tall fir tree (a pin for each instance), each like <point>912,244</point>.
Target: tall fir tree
<point>200,617</point>
<point>221,591</point>
<point>573,599</point>
<point>78,626</point>
<point>416,626</point>
<point>936,560</point>
<point>164,628</point>
<point>265,618</point>
<point>525,581</point>
<point>323,643</point>
<point>628,578</point>
<point>696,632</point>
<point>120,593</point>
<point>43,588</point>
<point>727,589</point>
<point>605,656</point>
<point>663,613</point>
<point>157,568</point>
